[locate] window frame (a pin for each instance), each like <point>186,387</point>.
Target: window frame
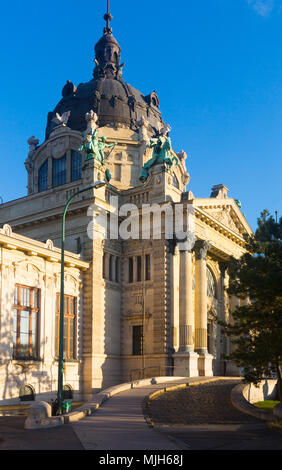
<point>76,165</point>
<point>43,174</point>
<point>137,349</point>
<point>68,317</point>
<point>31,309</point>
<point>59,177</point>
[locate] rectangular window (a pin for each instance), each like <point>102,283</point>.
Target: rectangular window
<point>70,307</point>
<point>117,269</point>
<point>118,172</point>
<point>137,340</point>
<point>25,322</point>
<point>111,261</point>
<point>75,165</point>
<point>104,266</point>
<point>43,177</point>
<point>59,171</point>
<point>138,268</point>
<point>147,268</point>
<point>130,269</point>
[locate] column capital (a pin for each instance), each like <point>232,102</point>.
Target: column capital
<point>223,265</point>
<point>201,249</point>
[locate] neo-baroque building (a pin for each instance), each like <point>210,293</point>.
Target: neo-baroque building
<point>134,307</point>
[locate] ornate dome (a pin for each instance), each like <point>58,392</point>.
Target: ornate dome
<point>107,94</point>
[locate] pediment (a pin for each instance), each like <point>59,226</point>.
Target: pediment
<point>227,213</point>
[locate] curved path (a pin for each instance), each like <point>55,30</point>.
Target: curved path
<point>120,424</point>
<point>203,418</point>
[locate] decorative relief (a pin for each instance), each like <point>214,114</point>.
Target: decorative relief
<point>201,249</point>
<point>7,230</point>
<point>223,215</point>
<point>58,147</point>
<point>49,245</point>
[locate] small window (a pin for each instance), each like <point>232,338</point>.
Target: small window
<point>117,269</point>
<point>59,171</point>
<point>43,177</point>
<point>147,267</point>
<point>111,261</point>
<point>137,340</point>
<point>130,269</point>
<point>27,393</point>
<point>67,392</point>
<point>175,181</point>
<point>75,165</point>
<point>139,268</point>
<point>104,266</point>
<point>118,172</point>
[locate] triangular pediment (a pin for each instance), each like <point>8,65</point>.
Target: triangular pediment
<point>226,212</point>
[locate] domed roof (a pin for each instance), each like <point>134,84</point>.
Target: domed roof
<point>107,94</point>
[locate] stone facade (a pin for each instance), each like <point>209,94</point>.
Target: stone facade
<point>30,266</point>
<point>150,303</point>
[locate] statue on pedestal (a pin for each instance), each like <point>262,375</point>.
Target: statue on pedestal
<point>94,147</point>
<point>162,153</point>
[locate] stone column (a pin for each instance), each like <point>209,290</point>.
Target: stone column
<point>185,301</point>
<point>201,316</point>
<point>186,359</point>
<point>224,346</point>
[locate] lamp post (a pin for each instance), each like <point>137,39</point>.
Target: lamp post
<point>95,185</point>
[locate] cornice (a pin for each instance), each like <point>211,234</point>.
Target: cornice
<point>35,248</point>
<point>211,221</point>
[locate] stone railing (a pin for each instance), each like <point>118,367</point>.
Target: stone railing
<point>243,395</point>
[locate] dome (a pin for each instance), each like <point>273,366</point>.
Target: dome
<point>107,94</point>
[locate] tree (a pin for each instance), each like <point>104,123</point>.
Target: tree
<point>255,327</point>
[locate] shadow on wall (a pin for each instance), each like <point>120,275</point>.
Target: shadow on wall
<point>17,373</point>
<point>111,368</point>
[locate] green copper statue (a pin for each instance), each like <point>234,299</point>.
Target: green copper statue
<point>161,153</point>
<point>94,147</point>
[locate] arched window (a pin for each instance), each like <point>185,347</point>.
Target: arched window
<point>27,393</point>
<point>211,287</point>
<point>59,171</point>
<point>43,177</point>
<point>67,392</point>
<point>75,165</point>
<point>175,181</point>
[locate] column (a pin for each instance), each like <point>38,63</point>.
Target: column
<point>201,316</point>
<point>185,360</point>
<point>224,346</point>
<point>185,302</point>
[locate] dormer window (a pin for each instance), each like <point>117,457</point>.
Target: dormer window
<point>59,171</point>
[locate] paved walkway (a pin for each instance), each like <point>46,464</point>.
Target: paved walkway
<point>203,418</point>
<point>120,425</point>
<point>210,423</point>
<point>13,436</point>
<point>214,423</point>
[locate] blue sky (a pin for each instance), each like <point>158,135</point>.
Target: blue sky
<point>215,64</point>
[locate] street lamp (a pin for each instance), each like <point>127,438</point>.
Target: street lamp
<point>95,185</point>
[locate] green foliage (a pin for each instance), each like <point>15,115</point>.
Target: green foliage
<point>256,327</point>
<point>266,405</point>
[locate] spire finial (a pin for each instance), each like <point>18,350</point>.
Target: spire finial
<point>108,17</point>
